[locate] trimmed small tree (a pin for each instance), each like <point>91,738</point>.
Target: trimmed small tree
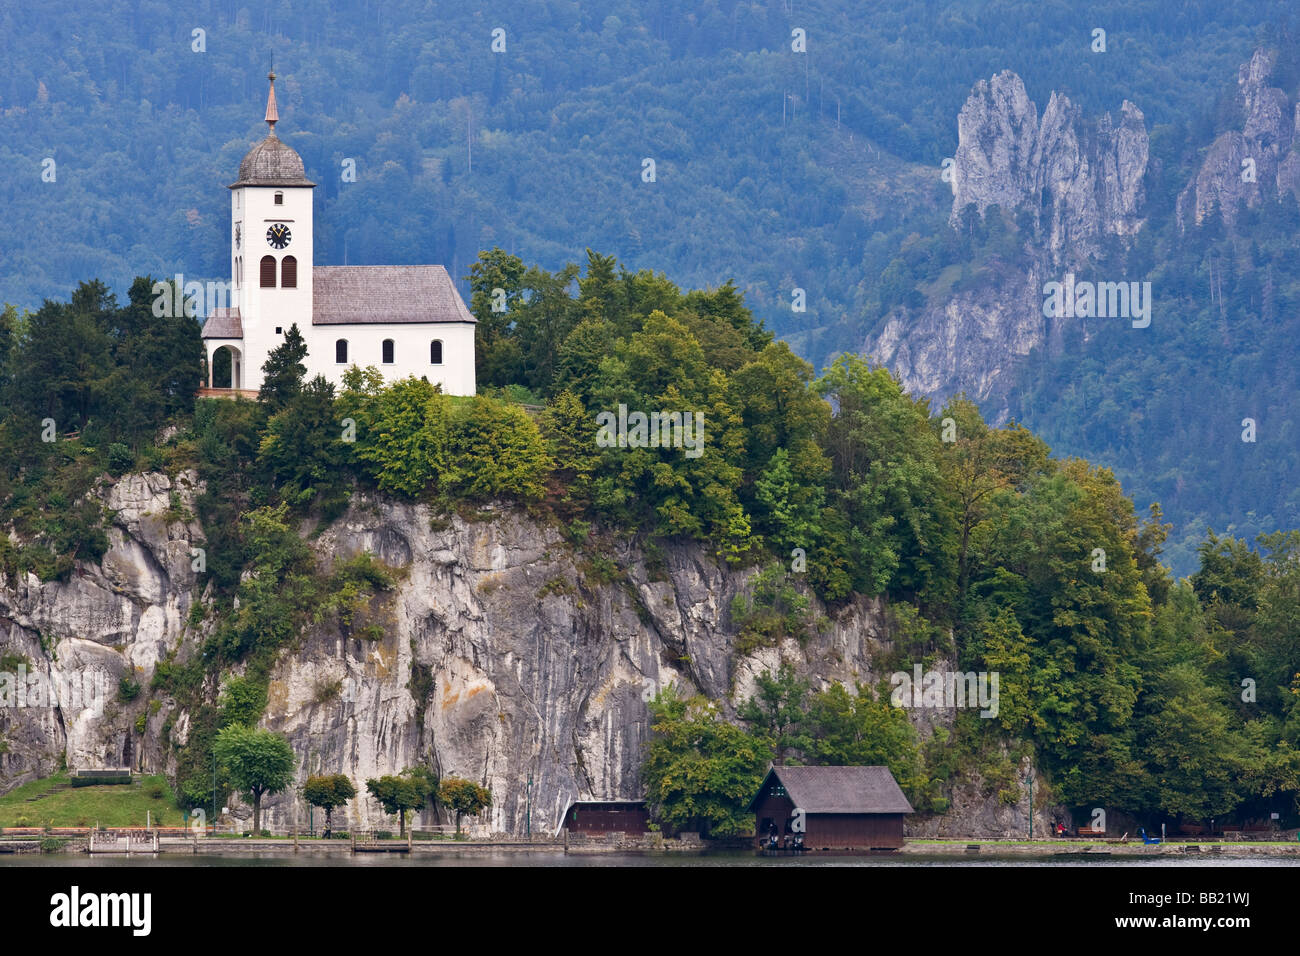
<point>398,793</point>
<point>328,791</point>
<point>464,798</point>
<point>258,762</point>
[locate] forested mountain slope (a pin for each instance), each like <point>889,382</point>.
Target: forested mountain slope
<point>779,168</point>
<point>221,563</point>
<point>1180,370</point>
<point>816,171</point>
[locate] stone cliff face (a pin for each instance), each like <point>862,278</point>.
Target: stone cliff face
<point>973,342</point>
<point>1072,183</point>
<point>531,671</point>
<point>1081,180</point>
<point>111,620</point>
<point>1258,161</point>
<point>500,659</point>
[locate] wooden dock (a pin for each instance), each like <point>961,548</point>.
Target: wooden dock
<point>366,842</point>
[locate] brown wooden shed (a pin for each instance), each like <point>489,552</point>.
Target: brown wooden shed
<point>842,808</point>
<point>606,816</point>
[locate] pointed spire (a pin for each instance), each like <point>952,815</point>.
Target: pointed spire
<point>272,115</point>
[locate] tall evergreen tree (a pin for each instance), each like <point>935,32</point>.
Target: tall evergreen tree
<point>283,372</point>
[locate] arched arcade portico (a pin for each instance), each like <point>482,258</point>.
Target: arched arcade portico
<point>228,370</point>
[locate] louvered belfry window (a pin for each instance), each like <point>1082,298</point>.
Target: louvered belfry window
<point>268,272</point>
<point>289,273</point>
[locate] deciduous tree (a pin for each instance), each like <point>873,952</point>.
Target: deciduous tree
<point>258,762</point>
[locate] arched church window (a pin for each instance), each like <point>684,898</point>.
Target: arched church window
<point>435,352</point>
<point>288,273</point>
<point>388,351</point>
<point>341,351</point>
<point>279,199</point>
<point>268,272</point>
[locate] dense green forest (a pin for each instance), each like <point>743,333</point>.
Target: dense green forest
<point>777,168</point>
<point>1125,686</point>
<point>1168,408</point>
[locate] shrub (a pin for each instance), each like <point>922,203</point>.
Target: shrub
<point>556,585</point>
<point>127,689</point>
<point>602,570</point>
<point>326,691</point>
<point>120,458</point>
<point>495,451</point>
<point>772,610</point>
<point>242,701</point>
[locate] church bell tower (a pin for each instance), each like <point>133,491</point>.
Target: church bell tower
<point>271,246</point>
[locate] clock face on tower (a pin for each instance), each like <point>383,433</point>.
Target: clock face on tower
<point>238,231</point>
<point>278,235</point>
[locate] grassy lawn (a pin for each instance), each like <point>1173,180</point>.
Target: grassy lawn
<point>112,806</point>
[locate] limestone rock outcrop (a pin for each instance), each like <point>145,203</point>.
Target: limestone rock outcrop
<point>501,658</point>
<point>1071,184</point>
<point>1082,180</point>
<point>1258,159</point>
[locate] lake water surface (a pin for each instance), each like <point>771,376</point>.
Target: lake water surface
<point>527,859</point>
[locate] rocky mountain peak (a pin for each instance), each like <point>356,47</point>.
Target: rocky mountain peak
<point>997,132</point>
<point>1083,179</point>
<point>1079,179</point>
<point>1256,161</point>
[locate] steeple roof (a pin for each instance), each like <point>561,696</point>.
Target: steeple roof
<point>271,162</point>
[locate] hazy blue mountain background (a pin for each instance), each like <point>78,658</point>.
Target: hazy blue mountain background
<point>777,169</point>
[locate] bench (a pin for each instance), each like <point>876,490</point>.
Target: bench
<point>1091,831</point>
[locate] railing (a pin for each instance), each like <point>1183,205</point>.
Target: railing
<point>124,841</point>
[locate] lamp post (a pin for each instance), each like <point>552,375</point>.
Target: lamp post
<point>1030,781</point>
<point>528,809</point>
<point>214,790</point>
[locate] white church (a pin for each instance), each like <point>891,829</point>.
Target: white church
<point>404,320</point>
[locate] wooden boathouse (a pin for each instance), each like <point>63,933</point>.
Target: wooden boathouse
<point>606,816</point>
<point>830,808</point>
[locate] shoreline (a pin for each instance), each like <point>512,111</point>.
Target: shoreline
<point>951,849</point>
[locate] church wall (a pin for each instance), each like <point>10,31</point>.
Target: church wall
<point>410,352</point>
